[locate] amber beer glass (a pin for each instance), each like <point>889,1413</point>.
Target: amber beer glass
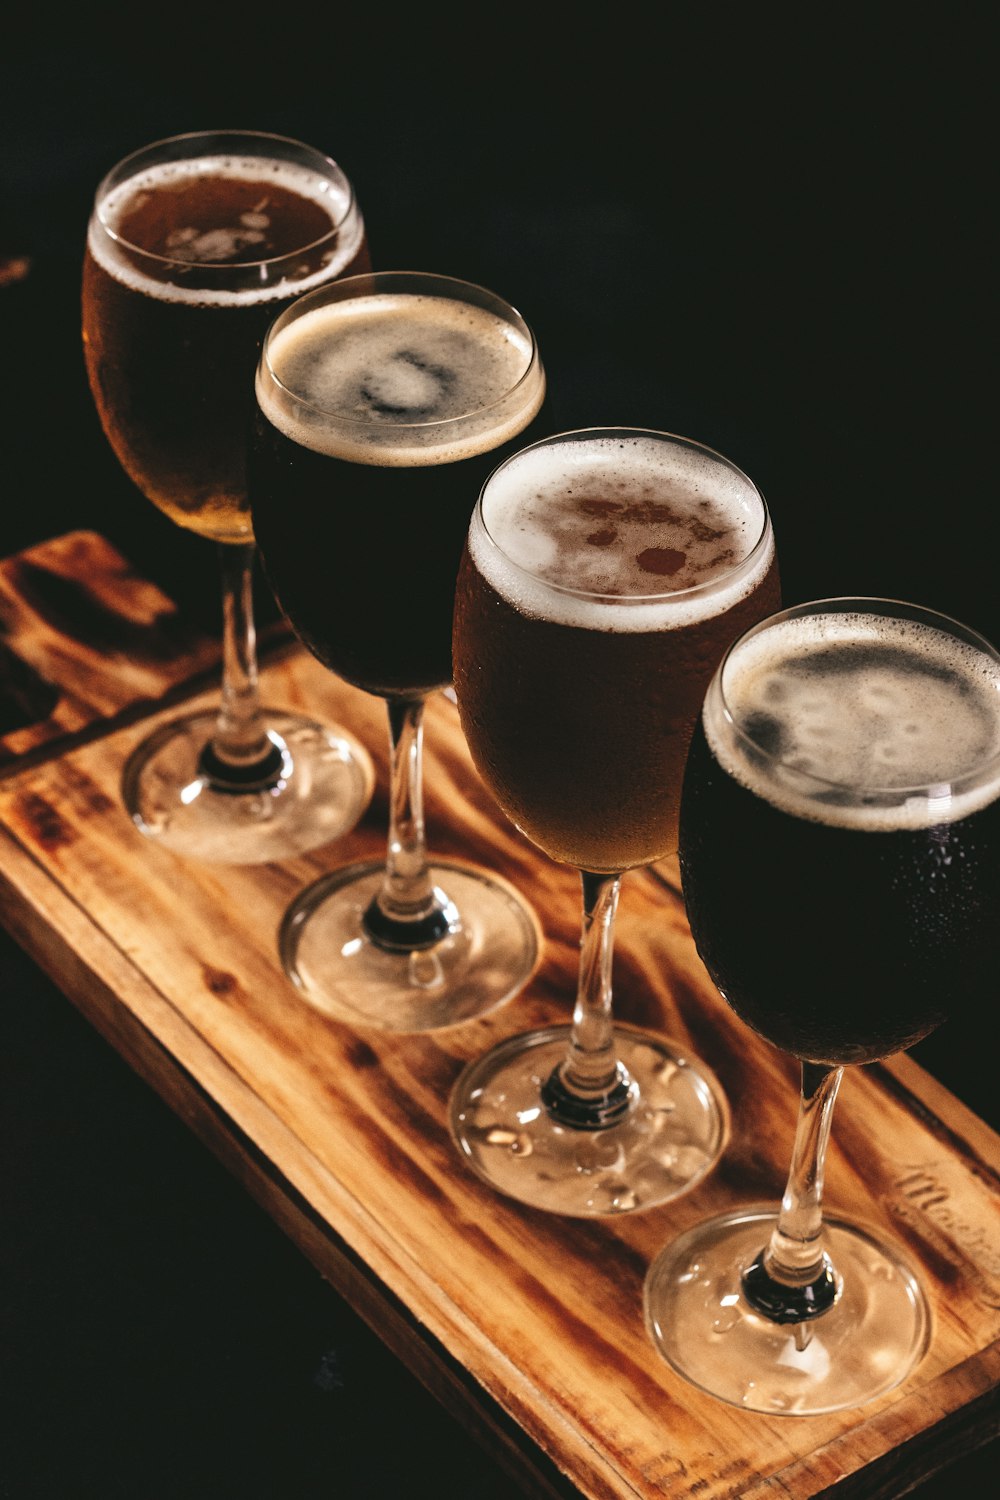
<point>840,824</point>
<point>605,573</point>
<point>384,400</point>
<point>194,243</point>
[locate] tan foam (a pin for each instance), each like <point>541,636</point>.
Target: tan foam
<point>400,379</point>
<point>906,707</point>
<point>650,533</point>
<point>333,196</point>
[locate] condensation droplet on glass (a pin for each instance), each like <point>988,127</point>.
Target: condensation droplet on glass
<point>666,1070</point>
<point>596,1154</point>
<point>255,809</point>
<point>425,971</point>
<point>624,1202</point>
<point>726,1321</point>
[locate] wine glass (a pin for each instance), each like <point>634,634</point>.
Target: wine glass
<point>383,400</point>
<point>838,848</point>
<point>606,570</point>
<point>193,244</point>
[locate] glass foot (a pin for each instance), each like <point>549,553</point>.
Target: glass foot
<point>324,784</point>
<point>489,952</point>
<point>671,1137</point>
<point>864,1345</point>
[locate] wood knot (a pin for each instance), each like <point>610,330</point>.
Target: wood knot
<point>361,1055</point>
<point>220,983</point>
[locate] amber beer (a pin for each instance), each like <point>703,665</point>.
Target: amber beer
<point>605,574</point>
<point>187,261</point>
<point>840,828</point>
<point>383,404</point>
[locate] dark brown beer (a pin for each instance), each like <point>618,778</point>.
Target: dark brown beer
<point>605,575</point>
<point>840,832</point>
<point>187,262</point>
<point>380,414</point>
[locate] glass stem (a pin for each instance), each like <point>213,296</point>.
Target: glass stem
<point>409,912</point>
<point>241,756</point>
<point>590,1089</point>
<point>793,1280</point>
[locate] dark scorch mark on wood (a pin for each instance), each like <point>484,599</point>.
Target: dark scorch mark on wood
<point>25,697</point>
<point>68,607</point>
<point>42,822</point>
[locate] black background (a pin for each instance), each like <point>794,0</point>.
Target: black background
<point>719,224</point>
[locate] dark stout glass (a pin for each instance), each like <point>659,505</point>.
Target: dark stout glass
<point>604,578</point>
<point>383,401</point>
<point>840,833</point>
<point>377,425</point>
<point>187,262</point>
<point>840,918</point>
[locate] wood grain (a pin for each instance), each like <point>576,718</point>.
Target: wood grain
<point>527,1324</point>
<point>83,638</point>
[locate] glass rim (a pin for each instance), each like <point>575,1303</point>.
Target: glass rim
<point>128,166</point>
<point>861,604</point>
<point>340,290</point>
<point>694,591</point>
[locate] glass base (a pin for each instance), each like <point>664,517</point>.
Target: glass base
<point>864,1345</point>
<point>488,955</point>
<point>325,783</point>
<point>671,1137</point>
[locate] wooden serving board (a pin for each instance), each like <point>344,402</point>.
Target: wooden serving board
<point>528,1325</point>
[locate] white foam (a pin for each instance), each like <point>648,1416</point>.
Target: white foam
<point>400,379</point>
<point>333,196</point>
<point>896,720</point>
<point>643,494</point>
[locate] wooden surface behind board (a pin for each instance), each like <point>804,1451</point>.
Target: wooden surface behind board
<point>529,1325</point>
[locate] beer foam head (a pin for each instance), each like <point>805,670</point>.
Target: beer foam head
<point>400,378</point>
<point>621,530</point>
<point>860,720</point>
<point>218,246</point>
